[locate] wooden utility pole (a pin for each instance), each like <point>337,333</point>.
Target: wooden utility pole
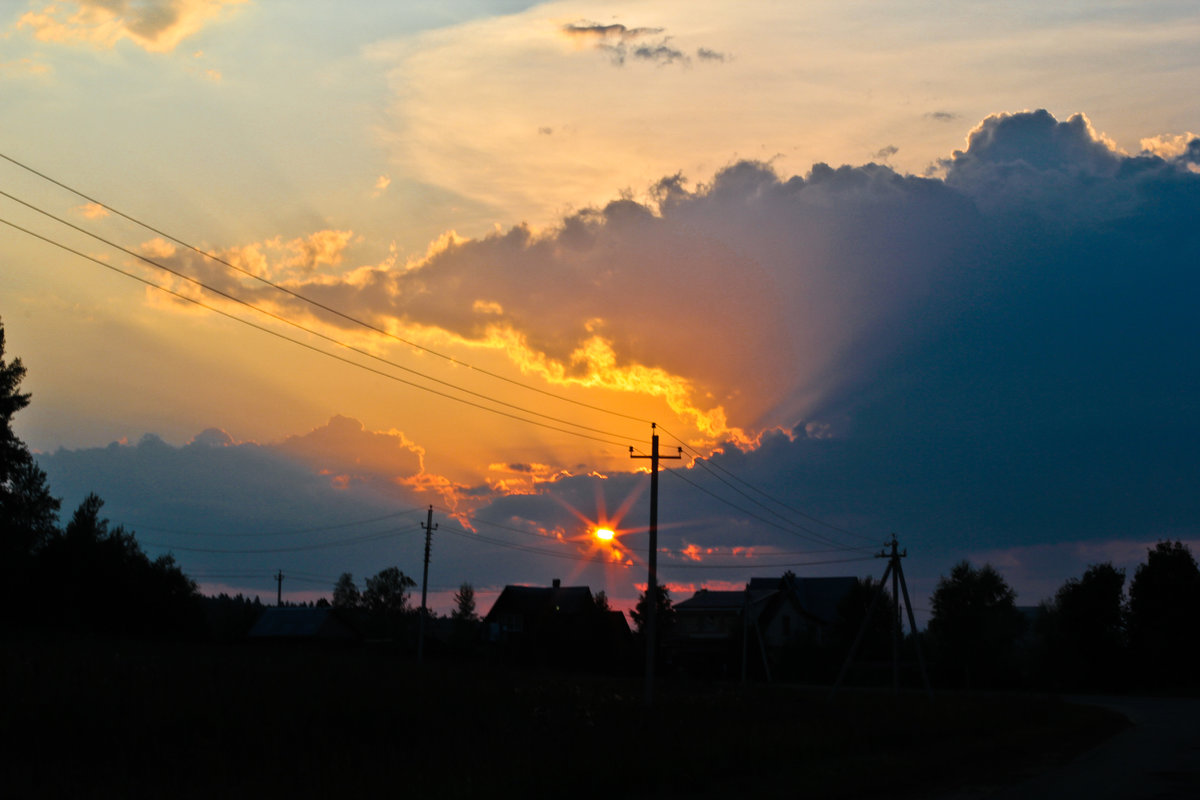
<point>279,588</point>
<point>897,574</point>
<point>429,527</point>
<point>652,561</point>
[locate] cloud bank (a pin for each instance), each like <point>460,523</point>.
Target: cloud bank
<point>995,359</point>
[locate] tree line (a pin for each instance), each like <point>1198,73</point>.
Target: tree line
<point>1092,635</point>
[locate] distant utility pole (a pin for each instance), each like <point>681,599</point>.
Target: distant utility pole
<point>898,583</point>
<point>429,529</point>
<point>279,588</point>
<point>652,561</point>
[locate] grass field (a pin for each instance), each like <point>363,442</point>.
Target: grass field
<point>95,718</point>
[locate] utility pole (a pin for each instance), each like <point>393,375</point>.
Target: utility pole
<point>429,529</point>
<point>279,588</point>
<point>897,573</point>
<point>652,561</point>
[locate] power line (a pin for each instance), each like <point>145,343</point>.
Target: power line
<point>308,346</point>
<point>282,319</point>
<point>676,565</point>
<point>293,532</point>
<point>316,303</point>
<point>372,537</point>
<point>708,461</point>
<point>812,538</point>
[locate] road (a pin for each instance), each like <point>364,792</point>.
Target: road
<point>1157,757</point>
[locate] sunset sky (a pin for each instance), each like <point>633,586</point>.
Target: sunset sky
<point>926,268</point>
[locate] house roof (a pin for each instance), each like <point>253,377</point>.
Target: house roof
<point>817,597</point>
<point>713,600</point>
<point>536,600</point>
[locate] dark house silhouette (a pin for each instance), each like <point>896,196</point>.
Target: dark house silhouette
<point>716,630</point>
<point>560,625</point>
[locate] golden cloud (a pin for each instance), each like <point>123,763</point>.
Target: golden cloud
<point>156,26</point>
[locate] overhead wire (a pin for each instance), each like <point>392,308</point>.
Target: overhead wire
<point>299,326</point>
<point>371,537</point>
<point>316,303</point>
<point>306,345</point>
<point>707,462</point>
<point>294,532</point>
<point>817,539</point>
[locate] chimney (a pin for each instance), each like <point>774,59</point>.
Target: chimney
<point>557,583</point>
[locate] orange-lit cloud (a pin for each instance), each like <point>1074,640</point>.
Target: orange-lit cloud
<point>157,26</point>
<point>1168,145</point>
<point>24,66</point>
<point>93,211</point>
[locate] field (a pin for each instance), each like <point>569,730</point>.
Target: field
<point>95,718</point>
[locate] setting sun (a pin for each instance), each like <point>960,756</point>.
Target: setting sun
<point>604,533</point>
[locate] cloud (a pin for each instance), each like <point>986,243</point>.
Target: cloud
<point>93,211</point>
<point>157,26</point>
<point>660,53</point>
<point>1170,146</point>
<point>381,185</point>
<point>991,361</point>
<point>621,43</point>
<point>941,116</point>
<point>23,67</point>
<point>705,54</point>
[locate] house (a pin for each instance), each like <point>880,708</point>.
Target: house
<point>717,630</point>
<point>559,624</point>
<point>798,609</point>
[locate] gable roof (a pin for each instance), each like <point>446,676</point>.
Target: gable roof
<point>532,601</point>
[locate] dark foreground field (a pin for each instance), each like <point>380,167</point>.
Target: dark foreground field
<point>87,718</point>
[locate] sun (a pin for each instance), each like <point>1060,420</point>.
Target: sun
<point>604,533</point>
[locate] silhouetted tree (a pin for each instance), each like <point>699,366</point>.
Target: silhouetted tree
<point>975,625</point>
<point>852,613</point>
<point>464,604</point>
<point>664,618</point>
<point>1164,614</point>
<point>601,601</point>
<point>28,513</point>
<point>1081,632</point>
<point>345,592</point>
<point>104,582</point>
<point>387,591</point>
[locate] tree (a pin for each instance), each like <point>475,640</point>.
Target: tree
<point>28,513</point>
<point>464,604</point>
<point>1164,614</point>
<point>664,618</point>
<point>1082,631</point>
<point>345,592</point>
<point>975,624</point>
<point>104,582</point>
<point>601,601</point>
<point>851,613</point>
<point>387,591</point>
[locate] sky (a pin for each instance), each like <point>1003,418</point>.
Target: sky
<point>286,275</point>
